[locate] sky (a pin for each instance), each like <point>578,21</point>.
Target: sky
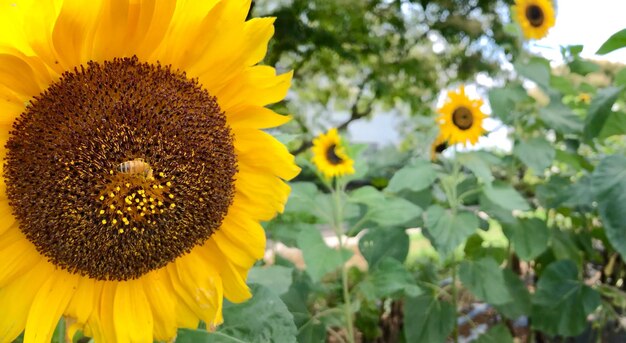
<point>578,22</point>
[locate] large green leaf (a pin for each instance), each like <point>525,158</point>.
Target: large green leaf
<point>448,231</point>
<point>583,67</point>
<point>562,302</point>
<point>615,125</point>
<point>497,334</point>
<point>537,153</point>
<point>599,111</point>
<point>616,41</point>
<point>427,319</point>
<point>275,278</point>
<point>319,258</point>
<point>389,278</point>
<point>474,162</point>
<point>367,195</point>
<point>536,69</point>
<point>609,183</point>
<point>302,196</point>
<point>415,178</point>
<point>529,237</point>
<point>379,243</point>
<point>264,318</point>
<point>520,304</point>
<point>485,280</point>
<point>506,197</point>
<point>560,118</point>
<point>503,101</point>
<point>394,211</point>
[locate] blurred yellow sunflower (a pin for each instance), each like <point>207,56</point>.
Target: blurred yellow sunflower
<point>460,118</point>
<point>135,171</point>
<point>329,155</point>
<point>584,98</point>
<point>535,17</point>
<point>439,145</point>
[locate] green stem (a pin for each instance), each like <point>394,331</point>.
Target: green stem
<point>454,303</point>
<point>338,226</point>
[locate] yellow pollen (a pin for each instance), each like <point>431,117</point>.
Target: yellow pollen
<point>129,209</point>
<point>112,195</point>
<point>171,196</point>
<point>168,184</point>
<point>136,200</point>
<point>118,212</point>
<point>101,211</point>
<point>127,185</point>
<point>101,197</point>
<point>200,199</point>
<point>162,174</point>
<point>114,221</point>
<point>112,206</point>
<point>111,172</point>
<point>151,199</point>
<point>104,221</point>
<point>172,205</point>
<point>134,229</point>
<point>154,186</point>
<point>160,203</point>
<point>120,230</point>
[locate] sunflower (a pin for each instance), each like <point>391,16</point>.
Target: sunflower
<point>460,118</point>
<point>135,172</point>
<point>439,145</point>
<point>535,17</point>
<point>329,155</point>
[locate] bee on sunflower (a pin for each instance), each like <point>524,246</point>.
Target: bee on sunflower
<point>329,155</point>
<point>536,17</point>
<point>135,170</point>
<point>460,119</point>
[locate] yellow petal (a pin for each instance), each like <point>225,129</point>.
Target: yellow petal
<point>258,85</point>
<point>235,288</point>
<point>162,302</point>
<point>255,117</point>
<point>48,305</point>
<point>17,254</point>
<point>73,32</point>
<point>132,313</point>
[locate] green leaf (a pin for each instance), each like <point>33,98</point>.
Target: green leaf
<point>599,111</point>
<point>620,77</point>
<point>520,304</point>
<point>302,196</point>
<point>479,167</point>
<point>494,210</point>
<point>503,100</point>
<point>485,280</point>
<point>609,184</point>
<point>506,197</point>
<point>319,258</point>
<point>496,334</point>
<point>275,278</point>
<point>560,118</point>
<point>562,301</point>
<point>529,237</point>
<point>448,231</point>
<point>616,41</point>
<point>380,243</point>
<point>537,70</point>
<point>394,211</point>
<point>428,319</point>
<point>390,277</point>
<point>367,195</point>
<point>537,153</point>
<point>414,178</point>
<point>582,67</point>
<point>242,322</point>
<point>615,125</point>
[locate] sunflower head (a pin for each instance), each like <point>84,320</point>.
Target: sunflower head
<point>329,155</point>
<point>135,169</point>
<point>460,119</point>
<point>439,145</point>
<point>535,17</point>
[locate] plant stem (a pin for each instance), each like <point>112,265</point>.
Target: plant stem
<point>454,303</point>
<point>338,226</point>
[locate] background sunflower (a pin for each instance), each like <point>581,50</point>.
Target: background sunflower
<point>535,17</point>
<point>460,119</point>
<point>329,155</point>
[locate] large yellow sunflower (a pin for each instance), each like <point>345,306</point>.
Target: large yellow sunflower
<point>135,171</point>
<point>329,155</point>
<point>535,17</point>
<point>460,118</point>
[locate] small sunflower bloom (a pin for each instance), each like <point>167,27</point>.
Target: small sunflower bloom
<point>460,119</point>
<point>135,170</point>
<point>329,155</point>
<point>536,17</point>
<point>439,145</point>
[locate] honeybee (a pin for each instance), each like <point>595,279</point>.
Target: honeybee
<point>137,166</point>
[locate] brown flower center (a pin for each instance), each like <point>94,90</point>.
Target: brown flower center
<point>331,155</point>
<point>119,168</point>
<point>534,14</point>
<point>462,118</point>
